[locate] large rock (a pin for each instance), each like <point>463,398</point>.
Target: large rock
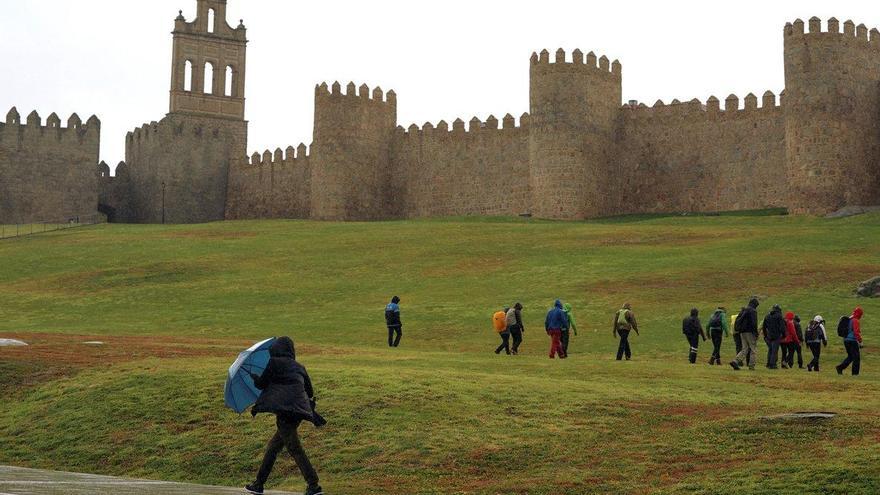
<point>869,288</point>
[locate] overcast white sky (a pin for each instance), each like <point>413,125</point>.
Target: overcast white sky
<point>445,59</point>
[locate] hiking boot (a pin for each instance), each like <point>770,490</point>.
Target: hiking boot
<point>839,370</point>
<point>315,491</point>
<point>784,366</point>
<point>735,365</point>
<point>255,488</point>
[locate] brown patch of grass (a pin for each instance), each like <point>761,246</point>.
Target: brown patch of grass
<point>98,281</point>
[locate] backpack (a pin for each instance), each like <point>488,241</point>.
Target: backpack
<point>499,321</point>
<point>715,322</point>
<point>739,325</point>
<point>812,334</point>
<point>843,327</point>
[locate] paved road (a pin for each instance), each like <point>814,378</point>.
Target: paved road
<point>18,481</point>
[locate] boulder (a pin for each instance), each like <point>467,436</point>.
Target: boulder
<point>869,288</point>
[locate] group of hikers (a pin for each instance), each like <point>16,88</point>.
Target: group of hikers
<point>783,333</point>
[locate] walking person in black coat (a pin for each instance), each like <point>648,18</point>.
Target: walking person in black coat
<point>774,331</point>
<point>288,394</point>
<point>693,330</point>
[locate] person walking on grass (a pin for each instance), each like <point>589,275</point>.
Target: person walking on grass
<point>392,319</point>
<point>693,330</point>
<point>737,339</point>
<point>566,334</point>
<point>288,394</point>
<point>789,341</point>
<point>555,323</point>
<point>816,338</point>
<point>499,321</point>
<point>799,348</point>
<point>774,331</point>
<point>515,326</point>
<point>718,329</point>
<point>747,328</point>
<point>624,322</point>
<point>852,342</point>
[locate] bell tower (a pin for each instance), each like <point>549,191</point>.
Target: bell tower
<point>208,64</point>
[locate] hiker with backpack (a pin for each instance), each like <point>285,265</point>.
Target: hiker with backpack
<point>499,322</point>
<point>851,331</point>
<point>747,328</point>
<point>718,329</point>
<point>624,322</point>
<point>554,324</point>
<point>392,319</point>
<point>774,331</point>
<point>693,330</point>
<point>816,339</point>
<point>572,327</point>
<point>515,326</point>
<point>789,341</point>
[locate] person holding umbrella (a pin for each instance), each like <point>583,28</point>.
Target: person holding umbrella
<point>288,394</point>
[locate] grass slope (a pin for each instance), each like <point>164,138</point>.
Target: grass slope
<point>443,414</point>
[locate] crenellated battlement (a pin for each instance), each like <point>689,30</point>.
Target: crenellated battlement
<point>75,131</point>
<point>288,157</point>
<point>712,108</point>
<point>363,93</point>
<point>815,27</point>
<point>562,62</point>
<point>460,127</point>
<point>160,132</point>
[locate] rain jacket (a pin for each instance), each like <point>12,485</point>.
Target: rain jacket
<point>749,315</point>
<point>725,325</point>
<point>791,336</point>
<point>392,313</point>
<point>774,325</point>
<point>556,319</point>
<point>855,326</point>
<point>691,325</point>
<point>285,384</point>
<point>568,314</point>
<point>821,336</point>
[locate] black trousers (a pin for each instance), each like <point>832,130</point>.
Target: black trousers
<point>738,342</point>
<point>395,332</point>
<point>287,436</point>
<point>773,353</point>
<point>623,348</point>
<point>505,343</point>
<point>694,342</point>
<point>565,339</point>
<point>517,335</point>
<point>717,338</point>
<point>816,349</point>
<point>800,354</point>
<point>853,356</point>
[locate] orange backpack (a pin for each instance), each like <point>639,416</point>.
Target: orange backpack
<point>499,321</point>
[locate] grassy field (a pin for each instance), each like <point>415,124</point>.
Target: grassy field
<point>443,414</point>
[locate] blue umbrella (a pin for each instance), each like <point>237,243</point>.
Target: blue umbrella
<point>240,391</point>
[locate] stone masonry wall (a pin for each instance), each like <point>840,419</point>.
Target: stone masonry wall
<point>687,157</point>
<point>273,185</point>
<point>48,173</point>
<point>191,156</point>
<point>480,171</point>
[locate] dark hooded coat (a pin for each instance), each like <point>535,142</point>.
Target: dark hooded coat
<point>285,384</point>
<point>774,325</point>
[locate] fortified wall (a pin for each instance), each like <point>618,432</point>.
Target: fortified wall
<point>48,173</point>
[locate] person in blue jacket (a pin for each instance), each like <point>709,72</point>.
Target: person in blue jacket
<point>555,324</point>
<point>392,319</point>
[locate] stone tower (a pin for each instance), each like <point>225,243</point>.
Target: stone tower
<point>351,167</point>
<point>832,115</point>
<point>208,48</point>
<point>574,106</point>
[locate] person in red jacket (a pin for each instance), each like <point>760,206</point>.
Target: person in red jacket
<point>790,341</point>
<point>853,342</point>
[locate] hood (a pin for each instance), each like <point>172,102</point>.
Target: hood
<point>858,313</point>
<point>819,319</point>
<point>395,300</point>
<point>505,310</point>
<point>797,318</point>
<point>282,347</point>
<point>695,312</point>
<point>518,306</point>
<point>789,316</point>
<point>754,303</point>
<point>776,309</point>
<point>558,304</point>
<point>566,307</point>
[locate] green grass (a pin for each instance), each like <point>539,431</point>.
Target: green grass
<point>443,414</point>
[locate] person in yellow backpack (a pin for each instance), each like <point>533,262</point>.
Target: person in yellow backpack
<point>499,321</point>
<point>624,322</point>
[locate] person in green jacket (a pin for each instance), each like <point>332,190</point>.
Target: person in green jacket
<point>572,328</point>
<point>718,326</point>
